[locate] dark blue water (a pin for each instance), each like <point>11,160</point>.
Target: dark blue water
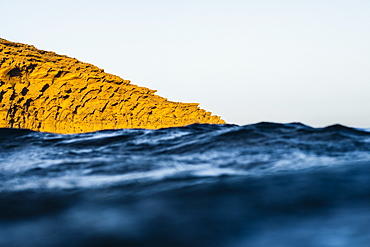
<point>202,185</point>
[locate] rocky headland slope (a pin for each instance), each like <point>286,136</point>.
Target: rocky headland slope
<point>44,91</point>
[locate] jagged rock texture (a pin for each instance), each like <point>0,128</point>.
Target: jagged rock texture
<point>44,91</point>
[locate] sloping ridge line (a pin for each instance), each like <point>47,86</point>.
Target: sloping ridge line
<point>43,91</point>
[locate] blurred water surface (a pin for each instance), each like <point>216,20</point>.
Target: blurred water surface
<point>260,185</point>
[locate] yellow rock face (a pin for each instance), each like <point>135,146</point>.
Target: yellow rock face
<point>44,91</point>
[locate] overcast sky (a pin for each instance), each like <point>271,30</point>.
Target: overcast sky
<point>246,60</point>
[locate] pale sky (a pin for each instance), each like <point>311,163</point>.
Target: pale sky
<point>245,60</point>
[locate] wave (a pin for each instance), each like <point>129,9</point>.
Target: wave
<point>197,150</point>
<point>208,185</point>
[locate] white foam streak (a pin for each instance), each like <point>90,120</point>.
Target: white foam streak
<point>70,181</point>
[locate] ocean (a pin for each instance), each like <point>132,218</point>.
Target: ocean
<point>258,185</point>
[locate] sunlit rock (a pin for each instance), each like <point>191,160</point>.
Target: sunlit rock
<point>44,91</point>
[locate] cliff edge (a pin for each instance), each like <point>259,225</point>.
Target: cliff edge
<point>44,91</point>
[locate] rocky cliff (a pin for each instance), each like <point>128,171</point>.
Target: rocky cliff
<point>44,91</point>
